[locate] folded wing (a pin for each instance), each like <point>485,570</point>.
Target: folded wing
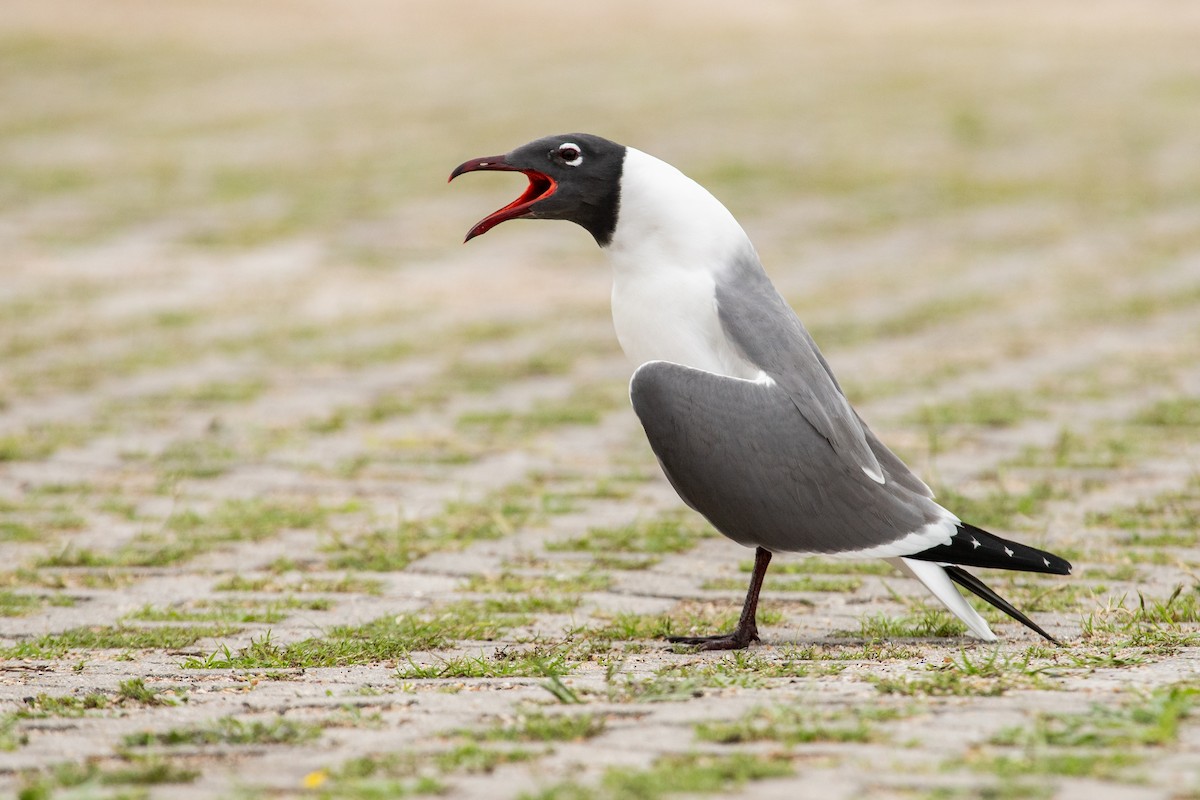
<point>741,454</point>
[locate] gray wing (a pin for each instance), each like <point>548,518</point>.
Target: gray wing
<point>737,452</point>
<point>893,467</point>
<point>765,330</point>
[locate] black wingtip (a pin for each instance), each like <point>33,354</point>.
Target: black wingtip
<point>975,547</point>
<point>982,590</point>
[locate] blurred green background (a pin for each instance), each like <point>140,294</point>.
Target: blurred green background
<point>220,125</point>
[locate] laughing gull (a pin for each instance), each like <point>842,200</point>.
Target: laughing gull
<point>740,407</point>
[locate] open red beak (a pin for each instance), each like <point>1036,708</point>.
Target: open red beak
<point>540,187</point>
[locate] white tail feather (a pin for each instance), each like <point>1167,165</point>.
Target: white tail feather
<point>937,581</point>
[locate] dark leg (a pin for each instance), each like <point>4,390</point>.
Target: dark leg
<point>746,630</point>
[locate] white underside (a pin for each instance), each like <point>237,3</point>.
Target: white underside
<point>670,314</point>
<point>931,535</point>
<point>672,238</point>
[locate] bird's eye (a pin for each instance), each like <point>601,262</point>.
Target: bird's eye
<point>570,154</point>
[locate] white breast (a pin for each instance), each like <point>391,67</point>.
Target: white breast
<point>671,240</point>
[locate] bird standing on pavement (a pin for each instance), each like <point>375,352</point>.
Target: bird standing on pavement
<point>740,407</point>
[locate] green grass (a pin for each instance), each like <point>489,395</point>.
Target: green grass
<point>790,725</point>
<point>302,584</point>
<point>43,705</point>
<point>208,457</point>
<point>39,442</point>
<point>388,638</point>
<point>518,663</point>
<point>1170,519</point>
<point>89,780</point>
<point>738,670</point>
<point>531,604</point>
<point>131,693</point>
<point>1003,507</point>
<point>1180,412</point>
<point>408,773</point>
<point>377,410</point>
<point>55,646</point>
<point>691,773</point>
<point>553,586</point>
<point>538,726</point>
<point>13,531</point>
<point>169,339</point>
<point>667,534</point>
<point>1153,720</point>
<point>14,604</point>
<point>457,377</point>
<point>1106,742</point>
<point>1160,626</point>
<point>488,376</point>
<point>11,736</point>
<point>1120,443</point>
<point>586,405</point>
<point>386,455</point>
<point>474,759</point>
<point>1000,409</point>
<point>216,393</point>
<point>134,690</point>
<point>189,533</point>
<point>681,685</point>
<point>1040,595</point>
<point>1104,447</point>
<point>876,650</point>
<point>906,322</point>
<point>41,523</point>
<point>686,619</point>
<point>925,622</point>
<point>982,676</point>
<point>58,579</point>
<point>228,731</point>
<point>1121,573</point>
<point>1106,766</point>
<point>1181,607</point>
<point>230,611</point>
<point>458,525</point>
<point>624,563</point>
<point>378,777</point>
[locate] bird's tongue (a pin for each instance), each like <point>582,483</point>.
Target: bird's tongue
<point>540,187</point>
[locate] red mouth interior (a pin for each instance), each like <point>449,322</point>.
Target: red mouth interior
<point>540,187</point>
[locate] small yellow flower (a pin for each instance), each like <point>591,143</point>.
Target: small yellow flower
<point>314,779</point>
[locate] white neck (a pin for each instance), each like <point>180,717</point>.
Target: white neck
<point>671,240</point>
<point>666,216</point>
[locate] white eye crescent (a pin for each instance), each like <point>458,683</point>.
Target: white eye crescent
<point>570,154</point>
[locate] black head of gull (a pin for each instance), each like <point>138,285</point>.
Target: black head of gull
<point>574,177</point>
<point>739,405</point>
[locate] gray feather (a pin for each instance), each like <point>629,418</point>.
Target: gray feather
<point>737,452</point>
<point>895,469</point>
<point>765,330</point>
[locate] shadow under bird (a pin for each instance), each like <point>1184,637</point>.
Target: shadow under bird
<point>743,412</point>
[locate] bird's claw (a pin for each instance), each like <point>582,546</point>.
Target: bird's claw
<point>739,639</point>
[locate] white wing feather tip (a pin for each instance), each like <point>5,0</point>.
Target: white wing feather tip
<point>937,581</point>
